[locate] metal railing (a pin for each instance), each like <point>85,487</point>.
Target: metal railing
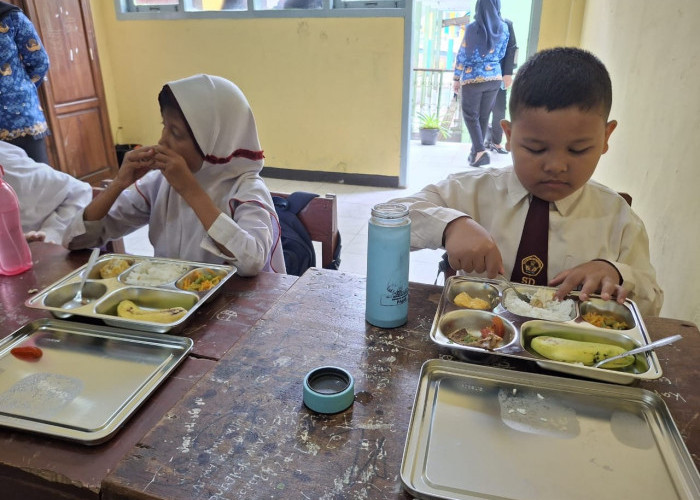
<point>432,94</point>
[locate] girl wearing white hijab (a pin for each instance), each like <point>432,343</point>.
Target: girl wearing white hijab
<point>199,189</point>
<point>48,199</point>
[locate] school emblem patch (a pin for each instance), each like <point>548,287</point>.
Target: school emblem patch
<point>531,266</point>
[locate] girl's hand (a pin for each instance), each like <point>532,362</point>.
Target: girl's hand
<point>175,170</point>
<point>136,163</point>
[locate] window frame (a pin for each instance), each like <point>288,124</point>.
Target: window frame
<point>126,11</point>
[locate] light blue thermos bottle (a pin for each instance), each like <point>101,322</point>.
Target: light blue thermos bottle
<point>388,250</point>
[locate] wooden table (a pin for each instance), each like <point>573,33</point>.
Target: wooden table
<point>243,431</point>
<point>34,466</point>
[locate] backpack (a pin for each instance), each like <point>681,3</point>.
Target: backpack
<point>299,253</point>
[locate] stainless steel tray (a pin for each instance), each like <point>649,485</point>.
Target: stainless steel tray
<point>105,294</point>
<point>88,381</point>
<point>520,330</point>
<point>484,432</point>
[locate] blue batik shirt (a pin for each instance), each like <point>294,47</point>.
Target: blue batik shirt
<point>23,64</point>
<point>473,67</point>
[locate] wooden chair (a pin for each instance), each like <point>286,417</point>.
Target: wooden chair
<point>114,246</point>
<point>320,218</point>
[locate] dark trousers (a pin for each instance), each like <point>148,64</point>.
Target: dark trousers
<point>477,102</point>
<point>495,132</point>
<point>35,148</point>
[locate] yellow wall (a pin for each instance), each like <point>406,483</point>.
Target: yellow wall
<point>326,92</point>
<point>652,55</point>
<point>327,96</point>
<point>560,24</point>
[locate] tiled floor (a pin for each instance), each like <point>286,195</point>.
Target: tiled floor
<point>427,164</point>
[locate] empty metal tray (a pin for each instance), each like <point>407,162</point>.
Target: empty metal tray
<point>88,380</point>
<point>483,432</point>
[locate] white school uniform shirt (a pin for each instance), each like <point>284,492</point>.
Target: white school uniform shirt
<point>48,198</point>
<point>224,127</point>
<point>592,223</point>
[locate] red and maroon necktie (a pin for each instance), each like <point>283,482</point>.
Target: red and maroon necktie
<point>530,265</point>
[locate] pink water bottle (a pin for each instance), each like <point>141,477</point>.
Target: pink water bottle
<point>15,256</point>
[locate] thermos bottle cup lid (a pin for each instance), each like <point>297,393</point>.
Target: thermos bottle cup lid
<point>328,389</point>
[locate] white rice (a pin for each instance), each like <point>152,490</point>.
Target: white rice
<point>550,309</point>
<point>155,273</point>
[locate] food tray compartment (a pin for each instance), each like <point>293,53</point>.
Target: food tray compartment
<point>88,380</point>
<point>104,293</point>
<point>578,439</point>
<point>631,331</point>
<point>154,273</point>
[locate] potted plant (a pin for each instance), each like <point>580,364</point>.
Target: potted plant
<point>429,128</point>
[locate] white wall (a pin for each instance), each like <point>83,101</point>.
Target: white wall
<point>652,50</point>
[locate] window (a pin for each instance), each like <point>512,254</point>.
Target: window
<point>179,9</point>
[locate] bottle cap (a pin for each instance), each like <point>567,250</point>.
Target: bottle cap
<point>328,389</point>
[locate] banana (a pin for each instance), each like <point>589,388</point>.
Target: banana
<point>574,351</point>
<point>127,309</point>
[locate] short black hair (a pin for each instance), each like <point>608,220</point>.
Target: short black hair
<point>167,101</point>
<point>560,78</point>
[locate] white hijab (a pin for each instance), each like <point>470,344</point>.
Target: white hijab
<point>224,127</point>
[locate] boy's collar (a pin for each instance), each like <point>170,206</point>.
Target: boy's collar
<point>517,192</point>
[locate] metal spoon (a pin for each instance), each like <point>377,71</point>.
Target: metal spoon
<point>78,300</point>
<point>520,295</point>
<point>648,347</point>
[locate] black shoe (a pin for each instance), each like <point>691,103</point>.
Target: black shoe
<point>498,149</point>
<point>483,160</point>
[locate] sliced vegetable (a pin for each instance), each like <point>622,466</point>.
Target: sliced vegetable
<point>27,353</point>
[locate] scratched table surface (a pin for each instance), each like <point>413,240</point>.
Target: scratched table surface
<point>243,431</point>
<point>34,466</point>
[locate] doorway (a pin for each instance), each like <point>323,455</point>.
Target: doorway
<point>437,29</point>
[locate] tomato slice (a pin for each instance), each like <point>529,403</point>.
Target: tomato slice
<point>27,353</point>
<point>498,326</point>
<point>486,331</point>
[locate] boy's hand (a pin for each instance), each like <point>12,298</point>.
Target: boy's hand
<point>593,276</point>
<point>470,247</point>
<point>136,163</point>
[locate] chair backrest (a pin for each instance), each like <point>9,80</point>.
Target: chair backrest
<point>114,246</point>
<point>320,218</point>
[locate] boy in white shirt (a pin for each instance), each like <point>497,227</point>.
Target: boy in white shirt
<point>559,128</point>
<point>48,198</point>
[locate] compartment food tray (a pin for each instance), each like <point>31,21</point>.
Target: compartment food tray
<point>484,432</point>
<point>104,294</point>
<point>88,381</point>
<point>521,329</point>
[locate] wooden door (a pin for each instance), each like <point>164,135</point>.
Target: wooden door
<point>73,96</point>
